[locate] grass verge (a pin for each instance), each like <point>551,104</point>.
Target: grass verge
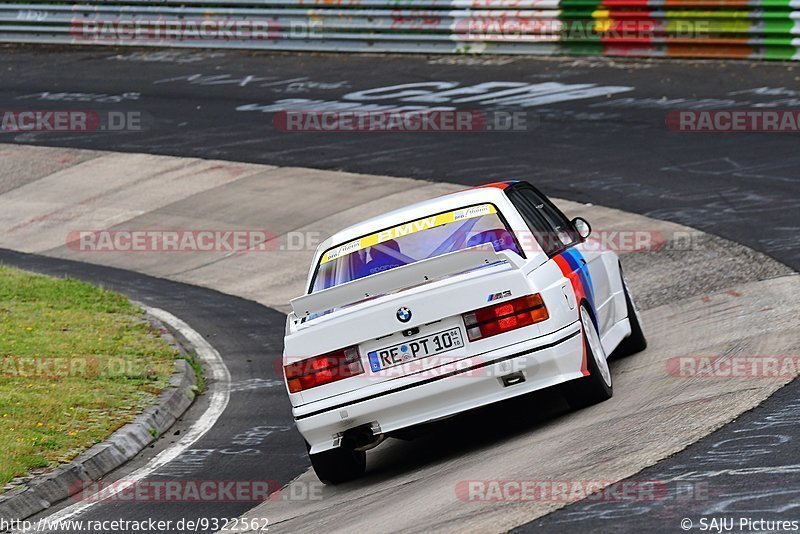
<point>77,362</point>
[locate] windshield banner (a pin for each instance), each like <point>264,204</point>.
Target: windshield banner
<point>408,228</point>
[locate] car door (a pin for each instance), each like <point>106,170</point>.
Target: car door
<point>560,240</point>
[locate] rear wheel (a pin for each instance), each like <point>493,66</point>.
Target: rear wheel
<point>597,386</point>
<point>338,465</point>
<point>636,342</point>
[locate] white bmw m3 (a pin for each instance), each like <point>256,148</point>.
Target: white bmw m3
<point>445,306</point>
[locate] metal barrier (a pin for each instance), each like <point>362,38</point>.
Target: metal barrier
<point>755,29</point>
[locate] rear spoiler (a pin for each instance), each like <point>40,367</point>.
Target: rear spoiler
<point>410,275</point>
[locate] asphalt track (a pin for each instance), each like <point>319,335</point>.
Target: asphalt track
<point>610,150</point>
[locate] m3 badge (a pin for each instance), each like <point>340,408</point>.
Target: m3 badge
<point>498,296</point>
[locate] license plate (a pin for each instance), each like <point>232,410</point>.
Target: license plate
<point>419,348</point>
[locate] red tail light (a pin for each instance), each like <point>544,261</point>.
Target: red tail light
<point>493,320</point>
<point>319,370</point>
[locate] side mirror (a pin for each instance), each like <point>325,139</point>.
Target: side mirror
<point>582,227</point>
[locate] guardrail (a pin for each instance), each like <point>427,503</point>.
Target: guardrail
<point>751,29</point>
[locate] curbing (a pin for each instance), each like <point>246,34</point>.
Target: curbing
<point>44,491</point>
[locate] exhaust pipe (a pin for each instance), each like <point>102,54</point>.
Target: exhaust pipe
<point>363,438</point>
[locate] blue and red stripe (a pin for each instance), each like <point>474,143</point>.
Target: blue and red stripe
<point>497,185</point>
<point>573,267</point>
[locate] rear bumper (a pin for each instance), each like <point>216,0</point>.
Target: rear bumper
<point>427,396</point>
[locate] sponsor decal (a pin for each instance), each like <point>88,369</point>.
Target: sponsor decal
<point>406,229</point>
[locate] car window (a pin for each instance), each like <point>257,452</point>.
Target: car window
<point>413,241</point>
<point>552,230</point>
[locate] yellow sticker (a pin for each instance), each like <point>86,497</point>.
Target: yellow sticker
<point>408,228</point>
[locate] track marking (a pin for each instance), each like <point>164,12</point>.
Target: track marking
<point>220,395</point>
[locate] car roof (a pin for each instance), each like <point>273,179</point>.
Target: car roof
<point>492,192</point>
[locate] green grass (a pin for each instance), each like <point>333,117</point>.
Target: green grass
<point>76,363</point>
<point>200,380</point>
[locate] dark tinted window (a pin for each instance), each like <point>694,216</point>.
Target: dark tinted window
<point>551,229</point>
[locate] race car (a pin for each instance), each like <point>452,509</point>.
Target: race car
<point>445,306</point>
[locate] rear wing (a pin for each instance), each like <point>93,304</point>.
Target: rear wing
<point>391,281</point>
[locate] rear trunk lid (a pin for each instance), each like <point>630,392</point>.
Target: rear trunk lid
<point>414,326</point>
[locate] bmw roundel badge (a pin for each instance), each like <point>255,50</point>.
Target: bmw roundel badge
<point>404,315</point>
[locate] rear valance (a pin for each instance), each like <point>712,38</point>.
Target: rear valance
<point>403,277</point>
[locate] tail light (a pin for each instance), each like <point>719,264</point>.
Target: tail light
<point>319,370</point>
<point>499,318</point>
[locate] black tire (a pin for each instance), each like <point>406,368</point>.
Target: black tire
<point>593,388</point>
<point>636,342</point>
<point>338,465</point>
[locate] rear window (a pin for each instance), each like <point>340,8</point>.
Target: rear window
<point>413,241</point>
